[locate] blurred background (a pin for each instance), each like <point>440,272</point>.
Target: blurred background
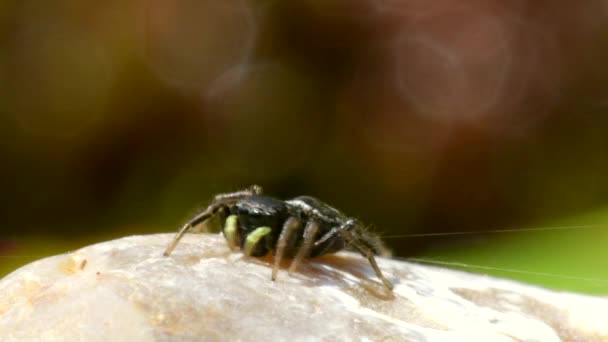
<point>125,117</point>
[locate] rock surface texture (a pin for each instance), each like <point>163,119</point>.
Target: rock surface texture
<point>125,290</point>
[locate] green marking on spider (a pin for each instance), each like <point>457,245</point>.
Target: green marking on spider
<point>230,231</point>
<point>254,237</point>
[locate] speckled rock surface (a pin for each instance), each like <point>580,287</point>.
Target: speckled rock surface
<point>125,290</point>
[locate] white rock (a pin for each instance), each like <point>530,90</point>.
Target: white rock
<point>125,290</point>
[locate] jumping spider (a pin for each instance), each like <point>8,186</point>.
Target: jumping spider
<point>299,228</point>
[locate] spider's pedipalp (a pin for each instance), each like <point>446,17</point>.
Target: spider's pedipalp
<point>254,238</point>
<point>231,232</point>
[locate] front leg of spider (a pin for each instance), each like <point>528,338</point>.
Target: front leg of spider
<point>220,203</point>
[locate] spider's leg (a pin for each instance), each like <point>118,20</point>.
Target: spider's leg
<point>368,253</point>
<point>219,201</point>
<point>199,218</point>
<point>289,227</point>
<point>348,225</point>
<point>176,239</point>
<point>309,237</point>
<point>232,196</point>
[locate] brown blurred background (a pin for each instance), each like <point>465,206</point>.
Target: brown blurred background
<point>123,117</point>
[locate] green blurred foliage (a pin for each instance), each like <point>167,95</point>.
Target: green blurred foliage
<point>123,117</point>
<point>572,259</point>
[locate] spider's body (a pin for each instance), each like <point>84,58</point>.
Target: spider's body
<point>260,211</point>
<point>297,228</point>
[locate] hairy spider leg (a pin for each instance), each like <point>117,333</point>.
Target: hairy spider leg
<point>219,201</point>
<point>349,224</point>
<point>290,226</point>
<point>199,218</point>
<point>310,232</point>
<point>366,252</point>
<point>251,191</point>
<point>345,231</point>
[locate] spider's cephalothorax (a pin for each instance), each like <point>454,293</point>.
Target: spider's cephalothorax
<point>299,228</point>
